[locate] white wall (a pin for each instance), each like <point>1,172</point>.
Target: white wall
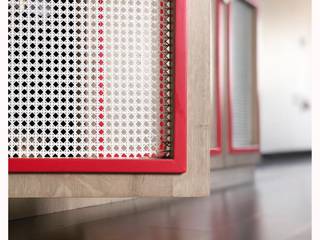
<point>285,75</point>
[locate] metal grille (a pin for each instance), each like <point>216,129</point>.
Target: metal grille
<point>242,70</point>
<point>90,78</point>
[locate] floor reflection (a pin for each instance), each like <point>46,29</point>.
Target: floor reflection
<point>276,207</point>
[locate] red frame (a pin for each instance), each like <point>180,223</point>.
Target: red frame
<point>232,149</point>
<point>218,148</point>
<point>177,164</point>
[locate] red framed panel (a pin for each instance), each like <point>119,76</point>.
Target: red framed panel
<point>218,117</point>
<point>176,164</point>
<point>233,149</point>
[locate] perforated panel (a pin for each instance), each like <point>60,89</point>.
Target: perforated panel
<point>242,72</point>
<point>91,79</point>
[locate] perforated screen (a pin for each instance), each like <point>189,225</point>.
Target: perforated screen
<point>91,78</point>
<point>242,72</point>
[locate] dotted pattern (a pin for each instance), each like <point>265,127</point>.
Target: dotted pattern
<point>242,73</point>
<point>90,78</point>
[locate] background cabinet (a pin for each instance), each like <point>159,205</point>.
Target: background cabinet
<point>235,91</point>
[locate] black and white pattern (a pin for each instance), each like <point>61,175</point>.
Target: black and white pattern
<point>61,107</point>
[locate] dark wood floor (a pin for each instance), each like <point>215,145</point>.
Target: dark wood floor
<point>276,207</point>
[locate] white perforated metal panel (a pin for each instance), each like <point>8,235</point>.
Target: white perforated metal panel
<point>242,70</point>
<point>90,78</point>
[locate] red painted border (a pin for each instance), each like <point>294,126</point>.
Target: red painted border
<point>218,148</point>
<point>101,77</point>
<point>231,148</point>
<point>176,165</point>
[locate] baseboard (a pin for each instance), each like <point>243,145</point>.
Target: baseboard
<point>286,156</point>
<point>231,177</point>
